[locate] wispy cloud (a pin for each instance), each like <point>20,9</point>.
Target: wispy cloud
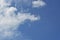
<point>9,20</point>
<point>38,3</point>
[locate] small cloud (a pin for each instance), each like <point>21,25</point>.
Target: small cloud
<point>38,3</point>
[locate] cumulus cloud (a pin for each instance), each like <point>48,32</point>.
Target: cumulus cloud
<point>9,20</point>
<point>38,3</point>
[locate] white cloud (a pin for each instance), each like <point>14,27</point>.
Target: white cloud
<point>9,20</point>
<point>38,3</point>
<point>5,3</point>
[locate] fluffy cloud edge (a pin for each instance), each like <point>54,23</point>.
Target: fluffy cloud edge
<point>9,20</point>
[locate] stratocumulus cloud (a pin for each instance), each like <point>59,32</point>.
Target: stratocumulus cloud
<point>9,20</point>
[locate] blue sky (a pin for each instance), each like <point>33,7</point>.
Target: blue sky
<point>47,28</point>
<point>37,21</point>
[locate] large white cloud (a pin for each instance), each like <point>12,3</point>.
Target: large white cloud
<point>38,3</point>
<point>9,20</point>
